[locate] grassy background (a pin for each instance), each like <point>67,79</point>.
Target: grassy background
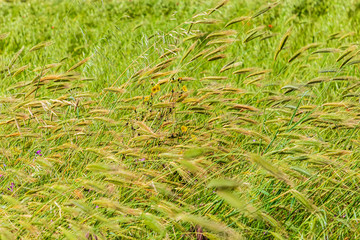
<point>136,144</point>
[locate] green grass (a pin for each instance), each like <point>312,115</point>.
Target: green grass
<point>147,131</point>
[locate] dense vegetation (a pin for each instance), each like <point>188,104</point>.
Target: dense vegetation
<point>179,119</point>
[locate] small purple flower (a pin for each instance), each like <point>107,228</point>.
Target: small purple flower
<point>1,175</point>
<point>11,187</point>
<point>38,152</point>
<point>140,160</point>
<point>97,207</point>
<point>4,165</point>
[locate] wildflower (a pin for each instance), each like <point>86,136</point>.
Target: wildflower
<point>155,89</point>
<point>140,160</point>
<point>38,152</point>
<point>147,98</point>
<point>270,26</point>
<point>183,129</point>
<point>11,187</point>
<point>184,88</point>
<point>52,27</point>
<point>97,207</point>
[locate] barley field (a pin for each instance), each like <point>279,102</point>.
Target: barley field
<point>179,119</point>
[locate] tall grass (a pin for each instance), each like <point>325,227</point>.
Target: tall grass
<point>176,120</point>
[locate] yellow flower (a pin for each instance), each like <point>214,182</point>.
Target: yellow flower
<point>184,88</point>
<point>147,98</point>
<point>155,89</point>
<point>193,137</point>
<point>184,129</point>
